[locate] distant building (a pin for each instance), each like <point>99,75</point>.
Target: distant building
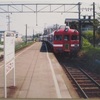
<point>86,26</point>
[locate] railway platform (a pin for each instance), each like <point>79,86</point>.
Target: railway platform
<point>38,75</point>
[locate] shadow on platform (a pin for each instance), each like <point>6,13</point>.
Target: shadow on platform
<point>43,48</point>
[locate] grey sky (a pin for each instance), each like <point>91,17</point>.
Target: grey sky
<point>51,1</point>
<point>18,21</point>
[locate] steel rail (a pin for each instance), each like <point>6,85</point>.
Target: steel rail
<point>82,91</point>
<point>90,77</point>
<point>96,83</point>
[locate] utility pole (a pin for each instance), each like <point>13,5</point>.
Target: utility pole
<point>26,34</point>
<point>94,24</point>
<point>36,16</point>
<point>80,32</point>
<point>33,34</point>
<point>8,23</point>
<point>56,26</point>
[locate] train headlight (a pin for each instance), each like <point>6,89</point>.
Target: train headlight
<point>74,45</point>
<point>66,28</point>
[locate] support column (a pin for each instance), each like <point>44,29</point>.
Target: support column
<point>80,32</point>
<point>94,24</point>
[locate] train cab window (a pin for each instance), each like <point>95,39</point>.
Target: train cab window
<point>58,37</point>
<point>75,37</point>
<point>66,37</point>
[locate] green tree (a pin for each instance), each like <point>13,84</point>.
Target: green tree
<point>88,35</point>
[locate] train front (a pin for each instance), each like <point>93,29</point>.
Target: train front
<point>58,41</point>
<point>66,40</point>
<point>71,41</point>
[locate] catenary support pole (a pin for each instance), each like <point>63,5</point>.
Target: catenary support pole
<point>79,14</point>
<point>94,24</point>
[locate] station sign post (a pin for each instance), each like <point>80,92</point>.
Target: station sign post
<point>9,58</point>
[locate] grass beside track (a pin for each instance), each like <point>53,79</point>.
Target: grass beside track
<point>18,47</point>
<point>90,57</point>
<point>22,46</point>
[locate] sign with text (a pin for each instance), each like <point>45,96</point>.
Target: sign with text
<point>87,9</point>
<point>9,47</point>
<point>9,57</point>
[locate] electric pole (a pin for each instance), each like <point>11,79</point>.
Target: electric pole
<point>33,34</point>
<point>26,34</point>
<point>94,24</point>
<point>8,23</point>
<point>80,35</point>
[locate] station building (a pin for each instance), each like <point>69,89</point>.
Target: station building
<point>86,24</point>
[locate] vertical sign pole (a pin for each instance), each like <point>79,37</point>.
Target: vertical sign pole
<point>14,62</point>
<point>14,73</point>
<point>5,82</point>
<point>9,58</point>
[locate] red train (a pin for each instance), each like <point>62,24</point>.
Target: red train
<point>63,40</point>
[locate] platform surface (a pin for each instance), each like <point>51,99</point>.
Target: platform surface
<point>38,75</point>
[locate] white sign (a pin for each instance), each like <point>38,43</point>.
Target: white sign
<point>9,52</point>
<point>86,9</point>
<point>9,56</point>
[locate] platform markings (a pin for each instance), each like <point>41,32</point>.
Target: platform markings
<point>54,76</point>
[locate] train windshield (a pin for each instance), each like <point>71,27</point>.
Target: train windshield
<point>58,37</point>
<point>75,37</point>
<point>64,27</point>
<point>66,37</point>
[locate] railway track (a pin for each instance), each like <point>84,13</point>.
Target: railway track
<point>86,84</point>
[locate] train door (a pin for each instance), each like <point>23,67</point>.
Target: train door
<point>58,43</point>
<point>66,43</point>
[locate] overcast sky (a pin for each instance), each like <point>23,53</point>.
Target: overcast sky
<point>50,1</point>
<point>18,20</point>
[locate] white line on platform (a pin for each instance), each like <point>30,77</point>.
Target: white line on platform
<point>54,77</point>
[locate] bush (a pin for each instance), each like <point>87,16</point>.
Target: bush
<point>1,43</point>
<point>88,35</point>
<point>22,45</point>
<point>86,43</point>
<point>90,55</point>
